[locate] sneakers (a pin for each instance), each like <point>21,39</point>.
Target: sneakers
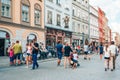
<point>37,66</point>
<point>111,69</point>
<point>105,69</point>
<point>85,58</point>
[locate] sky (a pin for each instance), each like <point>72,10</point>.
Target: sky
<point>112,11</point>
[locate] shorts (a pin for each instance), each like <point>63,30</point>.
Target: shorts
<point>28,54</point>
<point>66,55</point>
<point>17,56</point>
<point>106,57</point>
<point>11,59</point>
<point>75,61</point>
<point>86,52</point>
<point>101,52</point>
<point>60,56</point>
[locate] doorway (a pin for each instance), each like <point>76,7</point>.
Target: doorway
<point>2,47</point>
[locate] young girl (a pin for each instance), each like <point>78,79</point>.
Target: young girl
<point>11,55</point>
<point>75,59</point>
<point>106,56</point>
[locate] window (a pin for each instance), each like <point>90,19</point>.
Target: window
<point>6,8</point>
<point>58,2</point>
<point>25,13</point>
<point>73,26</point>
<point>83,28</point>
<point>78,27</point>
<point>49,17</point>
<point>73,12</point>
<point>58,20</point>
<point>37,17</point>
<point>66,21</point>
<point>78,13</point>
<point>37,14</point>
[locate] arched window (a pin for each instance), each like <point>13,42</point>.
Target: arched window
<point>6,8</point>
<point>30,37</point>
<point>25,10</point>
<point>37,14</point>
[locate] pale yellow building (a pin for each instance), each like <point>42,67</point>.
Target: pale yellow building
<point>21,20</point>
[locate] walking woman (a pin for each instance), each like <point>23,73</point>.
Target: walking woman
<point>106,56</point>
<point>67,50</point>
<point>89,51</point>
<point>86,51</point>
<point>29,54</point>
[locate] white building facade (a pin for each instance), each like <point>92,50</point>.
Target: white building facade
<point>80,21</point>
<point>94,29</point>
<point>58,21</point>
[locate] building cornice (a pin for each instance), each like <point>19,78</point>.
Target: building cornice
<point>22,26</point>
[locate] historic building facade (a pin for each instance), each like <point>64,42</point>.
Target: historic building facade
<point>94,29</point>
<point>107,30</point>
<point>80,21</point>
<point>101,24</point>
<point>58,21</point>
<point>21,20</point>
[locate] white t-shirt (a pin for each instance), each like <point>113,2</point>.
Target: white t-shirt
<point>85,47</point>
<point>112,49</point>
<point>106,53</point>
<point>75,56</point>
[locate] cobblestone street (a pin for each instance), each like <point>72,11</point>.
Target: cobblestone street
<point>48,70</point>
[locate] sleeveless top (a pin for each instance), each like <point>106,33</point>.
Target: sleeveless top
<point>29,49</point>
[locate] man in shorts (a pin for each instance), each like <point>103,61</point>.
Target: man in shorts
<point>59,48</point>
<point>17,52</point>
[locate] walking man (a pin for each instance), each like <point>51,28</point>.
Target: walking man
<point>101,50</point>
<point>112,50</point>
<point>17,48</point>
<point>34,54</point>
<point>59,48</point>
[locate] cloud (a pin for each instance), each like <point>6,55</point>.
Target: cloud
<point>112,10</point>
<point>115,27</point>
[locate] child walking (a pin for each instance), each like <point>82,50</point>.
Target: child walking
<point>11,56</point>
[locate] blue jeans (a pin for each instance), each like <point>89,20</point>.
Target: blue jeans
<point>34,57</point>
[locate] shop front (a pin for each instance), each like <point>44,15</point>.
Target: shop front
<point>76,39</point>
<point>54,35</point>
<point>11,33</point>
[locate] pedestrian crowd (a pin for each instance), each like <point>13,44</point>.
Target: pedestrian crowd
<point>70,53</point>
<point>15,54</point>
